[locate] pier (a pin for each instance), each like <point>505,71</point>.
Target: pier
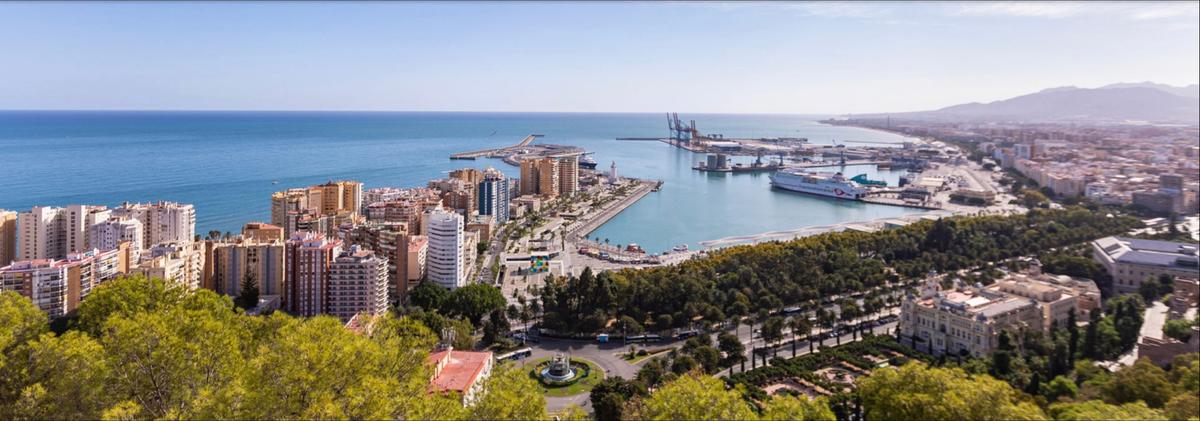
<point>825,164</point>
<point>496,151</point>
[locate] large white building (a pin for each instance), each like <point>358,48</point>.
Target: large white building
<point>445,264</point>
<point>358,283</point>
<point>1130,260</point>
<point>51,233</point>
<point>109,234</point>
<point>162,222</point>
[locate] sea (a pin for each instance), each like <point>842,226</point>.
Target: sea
<point>228,163</point>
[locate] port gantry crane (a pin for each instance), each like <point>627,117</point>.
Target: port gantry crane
<point>679,132</point>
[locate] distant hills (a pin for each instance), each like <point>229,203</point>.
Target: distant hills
<point>1146,101</point>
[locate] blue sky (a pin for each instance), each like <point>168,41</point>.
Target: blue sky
<point>773,57</point>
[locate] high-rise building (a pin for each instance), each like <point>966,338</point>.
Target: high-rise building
<point>179,263</point>
<point>529,177</point>
<point>109,234</point>
<point>568,175</point>
<point>52,233</point>
<point>56,286</point>
<point>548,175</point>
<point>358,283</point>
<point>494,195</point>
<point>324,205</point>
<point>233,262</point>
<point>389,240</point>
<point>162,222</point>
<point>8,237</point>
<point>309,261</point>
<point>444,262</point>
<point>408,208</point>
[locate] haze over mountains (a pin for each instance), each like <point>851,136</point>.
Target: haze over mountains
<point>1145,101</point>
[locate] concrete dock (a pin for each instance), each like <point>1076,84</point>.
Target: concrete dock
<point>496,151</point>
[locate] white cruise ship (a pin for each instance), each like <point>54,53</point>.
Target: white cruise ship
<point>821,184</point>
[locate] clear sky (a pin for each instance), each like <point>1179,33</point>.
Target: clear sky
<point>654,57</point>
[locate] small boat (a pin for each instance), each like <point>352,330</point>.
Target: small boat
<point>680,248</point>
<point>275,182</point>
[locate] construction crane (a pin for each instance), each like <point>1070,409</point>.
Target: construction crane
<point>679,132</point>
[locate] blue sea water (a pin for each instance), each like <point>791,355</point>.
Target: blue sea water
<point>227,163</point>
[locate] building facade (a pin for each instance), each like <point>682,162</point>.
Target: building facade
<point>57,286</point>
<point>109,234</point>
<point>494,195</point>
<point>1131,261</point>
<point>309,262</point>
<point>234,262</point>
<point>445,262</point>
<point>162,222</point>
<point>8,237</point>
<point>358,283</point>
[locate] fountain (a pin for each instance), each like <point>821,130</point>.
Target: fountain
<point>559,370</point>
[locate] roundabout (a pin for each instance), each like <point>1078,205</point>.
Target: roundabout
<point>561,375</point>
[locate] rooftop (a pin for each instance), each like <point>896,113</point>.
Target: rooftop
<point>1150,252</point>
<point>458,370</point>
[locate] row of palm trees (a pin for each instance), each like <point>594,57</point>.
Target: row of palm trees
<point>849,312</point>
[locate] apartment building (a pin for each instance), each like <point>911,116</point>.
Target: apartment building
<point>309,262</point>
<point>249,256</point>
<point>179,263</point>
<point>1130,261</point>
<point>418,247</point>
<point>493,197</point>
<point>358,283</point>
<point>262,232</point>
<point>8,237</point>
<point>51,233</point>
<point>109,234</point>
<point>389,240</point>
<point>162,222</point>
<point>57,286</point>
<point>445,262</point>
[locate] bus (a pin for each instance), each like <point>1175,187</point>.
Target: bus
<point>643,338</point>
<point>515,355</point>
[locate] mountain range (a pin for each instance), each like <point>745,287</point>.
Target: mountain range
<point>1145,101</point>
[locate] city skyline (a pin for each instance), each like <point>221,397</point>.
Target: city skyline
<point>792,58</point>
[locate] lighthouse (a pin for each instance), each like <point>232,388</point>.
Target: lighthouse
<point>612,173</point>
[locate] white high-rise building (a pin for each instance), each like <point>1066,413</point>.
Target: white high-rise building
<point>358,283</point>
<point>109,234</point>
<point>51,233</point>
<point>444,261</point>
<point>162,222</point>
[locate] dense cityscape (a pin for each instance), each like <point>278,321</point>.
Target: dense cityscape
<point>1030,258</point>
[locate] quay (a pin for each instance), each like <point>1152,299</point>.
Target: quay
<point>613,209</point>
<point>825,164</point>
<point>496,151</point>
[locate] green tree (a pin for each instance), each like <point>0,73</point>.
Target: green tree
<point>1179,329</point>
<point>735,351</point>
<point>1059,387</point>
<point>64,378</point>
<point>1184,406</point>
<point>610,396</point>
<point>772,331</point>
<point>429,296</point>
<point>1097,410</point>
<point>1143,381</point>
<point>917,392</point>
<point>784,408</point>
<point>474,301</point>
<point>126,297</point>
<point>509,394</point>
<point>172,361</point>
<point>248,297</point>
<point>692,397</point>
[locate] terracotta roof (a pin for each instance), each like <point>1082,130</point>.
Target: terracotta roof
<point>459,369</point>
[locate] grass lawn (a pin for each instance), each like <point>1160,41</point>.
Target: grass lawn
<point>584,385</point>
<point>638,359</point>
